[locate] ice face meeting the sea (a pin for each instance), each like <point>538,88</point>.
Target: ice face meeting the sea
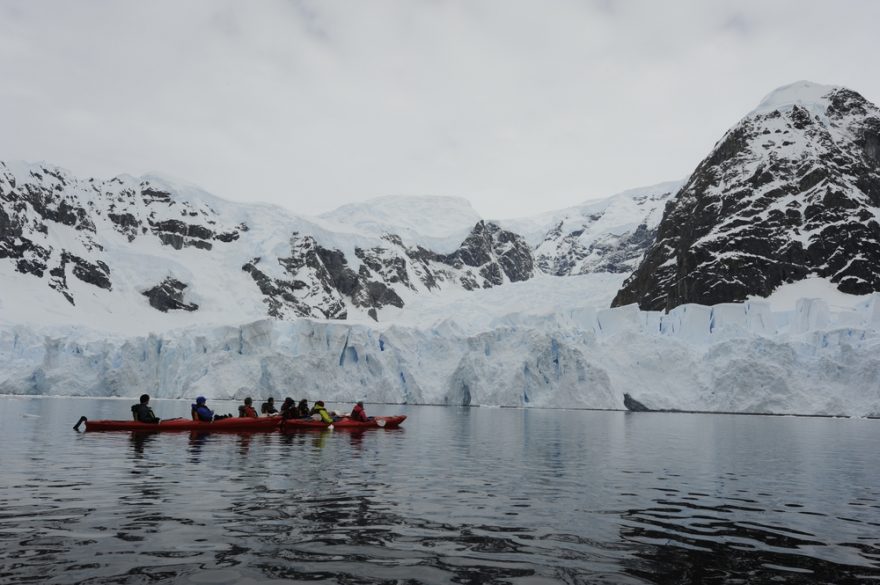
<point>802,357</point>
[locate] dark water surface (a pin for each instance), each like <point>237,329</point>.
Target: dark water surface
<point>456,496</point>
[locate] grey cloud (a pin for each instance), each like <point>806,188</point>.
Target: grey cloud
<point>518,106</point>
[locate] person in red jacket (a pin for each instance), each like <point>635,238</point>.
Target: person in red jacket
<point>247,410</point>
<point>358,413</point>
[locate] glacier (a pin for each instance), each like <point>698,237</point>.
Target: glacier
<point>503,347</point>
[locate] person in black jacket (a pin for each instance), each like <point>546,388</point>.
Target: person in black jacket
<point>288,408</point>
<point>142,412</point>
<point>268,407</point>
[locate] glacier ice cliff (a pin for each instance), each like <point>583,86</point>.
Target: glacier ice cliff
<point>747,357</point>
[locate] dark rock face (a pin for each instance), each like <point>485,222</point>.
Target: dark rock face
<point>97,274</point>
<point>494,252</point>
<point>318,281</point>
<point>126,224</point>
<point>785,194</point>
<point>168,296</point>
<point>278,295</point>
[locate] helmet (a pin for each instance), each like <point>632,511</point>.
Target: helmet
<point>200,400</point>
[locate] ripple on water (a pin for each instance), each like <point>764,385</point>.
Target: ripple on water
<point>458,496</point>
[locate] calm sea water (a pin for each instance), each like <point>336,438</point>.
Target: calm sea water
<point>456,496</point>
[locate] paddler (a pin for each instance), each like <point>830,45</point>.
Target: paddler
<point>358,413</point>
<point>268,407</point>
<point>247,410</point>
<point>201,412</point>
<point>321,413</point>
<point>141,412</point>
<point>288,408</point>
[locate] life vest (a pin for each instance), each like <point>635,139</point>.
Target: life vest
<point>247,411</point>
<point>202,413</point>
<point>322,412</point>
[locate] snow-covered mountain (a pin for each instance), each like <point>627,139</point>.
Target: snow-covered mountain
<point>609,235</point>
<point>130,285</point>
<point>790,191</point>
<point>127,251</point>
<point>129,247</point>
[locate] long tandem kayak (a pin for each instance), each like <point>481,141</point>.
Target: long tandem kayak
<point>232,425</point>
<point>237,424</point>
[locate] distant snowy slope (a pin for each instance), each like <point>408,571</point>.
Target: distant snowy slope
<point>438,223</point>
<point>607,235</point>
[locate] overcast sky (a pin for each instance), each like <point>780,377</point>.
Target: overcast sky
<point>518,106</point>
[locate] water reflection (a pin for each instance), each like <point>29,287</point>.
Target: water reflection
<point>456,496</point>
<point>197,440</point>
<point>138,441</point>
<point>356,438</point>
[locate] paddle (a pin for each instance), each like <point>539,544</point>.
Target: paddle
<point>81,420</point>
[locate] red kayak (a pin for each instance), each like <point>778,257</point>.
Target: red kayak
<point>388,422</point>
<point>230,425</point>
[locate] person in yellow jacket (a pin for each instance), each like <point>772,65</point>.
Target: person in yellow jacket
<point>319,410</point>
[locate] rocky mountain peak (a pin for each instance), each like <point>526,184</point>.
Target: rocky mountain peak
<point>792,190</point>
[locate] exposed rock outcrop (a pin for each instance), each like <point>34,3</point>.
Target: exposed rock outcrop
<point>319,282</point>
<point>792,190</point>
<point>168,296</point>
